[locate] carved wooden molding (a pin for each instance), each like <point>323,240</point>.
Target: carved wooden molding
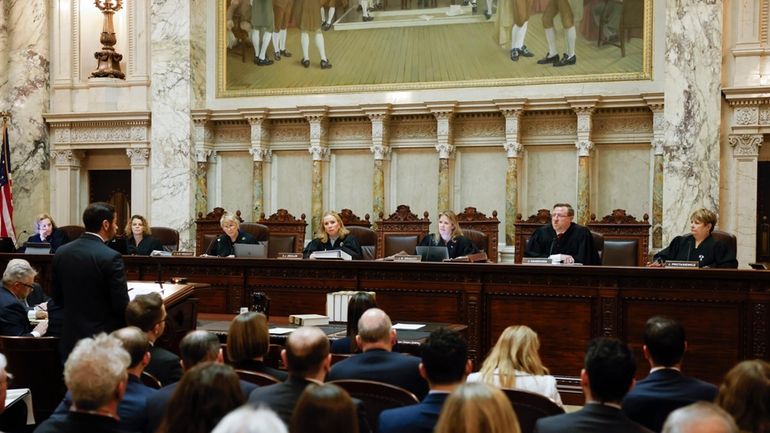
<point>351,219</point>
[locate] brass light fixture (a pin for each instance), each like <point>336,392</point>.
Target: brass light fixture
<point>108,60</point>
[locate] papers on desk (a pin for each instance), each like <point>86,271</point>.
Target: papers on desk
<point>14,395</point>
<point>281,331</point>
<point>408,326</point>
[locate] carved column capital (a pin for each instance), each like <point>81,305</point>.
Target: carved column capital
<point>745,145</point>
<point>658,146</point>
<point>584,142</point>
<point>258,133</point>
<point>512,143</point>
<point>444,140</point>
<point>584,147</point>
<point>67,158</point>
<point>202,154</point>
<point>259,153</point>
<point>380,135</point>
<point>138,157</point>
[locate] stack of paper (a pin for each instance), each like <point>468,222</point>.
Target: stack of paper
<point>309,319</point>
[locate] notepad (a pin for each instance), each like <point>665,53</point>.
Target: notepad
<point>408,326</point>
<point>281,331</point>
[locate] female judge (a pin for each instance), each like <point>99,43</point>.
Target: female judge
<point>699,245</point>
<point>224,245</point>
<point>334,236</point>
<point>46,231</point>
<point>450,235</point>
<point>138,239</point>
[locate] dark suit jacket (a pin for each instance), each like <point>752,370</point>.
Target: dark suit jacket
<point>662,392</point>
<point>79,422</point>
<point>383,366</point>
<point>417,418</point>
<point>13,315</point>
<point>158,402</point>
<point>89,282</point>
<point>260,367</point>
<point>593,418</point>
<point>164,365</point>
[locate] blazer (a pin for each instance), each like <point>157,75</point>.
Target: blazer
<point>164,365</point>
<point>592,418</point>
<point>261,367</point>
<point>146,246</point>
<point>382,366</point>
<point>79,422</point>
<point>417,418</point>
<point>711,253</point>
<point>89,283</point>
<point>662,392</point>
<point>13,315</point>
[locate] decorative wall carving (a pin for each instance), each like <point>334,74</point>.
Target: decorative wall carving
<point>745,144</point>
<point>138,156</point>
<point>746,115</point>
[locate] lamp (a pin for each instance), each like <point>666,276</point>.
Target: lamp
<point>108,60</point>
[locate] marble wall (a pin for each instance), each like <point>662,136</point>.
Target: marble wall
<point>549,176</point>
<point>414,181</point>
<point>350,185</point>
<point>623,175</point>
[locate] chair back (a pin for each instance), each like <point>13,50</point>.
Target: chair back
<point>377,397</point>
<point>149,380</point>
<point>402,230</point>
<point>259,379</point>
<point>530,407</point>
<point>273,357</point>
<point>622,233</point>
<point>337,357</point>
<point>73,232</point>
<point>350,219</point>
<point>620,252</point>
<point>282,224</point>
<point>259,231</point>
<point>525,229</point>
<point>479,239</point>
<point>481,230</point>
<point>367,238</point>
<point>167,236</point>
<point>727,238</point>
<point>598,239</point>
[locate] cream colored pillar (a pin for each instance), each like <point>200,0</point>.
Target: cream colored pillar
<point>140,180</point>
<point>258,151</point>
<point>204,143</point>
<point>445,148</point>
<point>319,150</point>
<point>745,153</point>
<point>658,142</point>
<point>66,203</point>
<point>584,146</point>
<point>380,119</point>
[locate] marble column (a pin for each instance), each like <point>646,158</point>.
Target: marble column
<point>513,148</point>
<point>658,144</point>
<point>140,180</point>
<point>446,149</point>
<point>381,150</point>
<point>693,70</point>
<point>320,153</point>
<point>204,144</point>
<point>177,86</point>
<point>584,146</point>
<point>745,152</point>
<point>24,92</point>
<point>258,151</point>
<point>66,204</point>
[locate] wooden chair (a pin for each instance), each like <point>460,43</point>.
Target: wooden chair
<point>402,230</point>
<point>260,379</point>
<point>351,219</point>
<point>626,240</point>
<point>287,233</point>
<point>525,229</point>
<point>73,232</point>
<point>337,357</point>
<point>149,380</point>
<point>377,397</point>
<point>273,357</point>
<point>530,407</point>
<point>480,229</point>
<point>167,236</point>
<point>361,229</point>
<point>728,238</point>
<point>260,231</point>
<point>631,18</point>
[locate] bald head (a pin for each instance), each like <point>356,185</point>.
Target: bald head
<point>306,350</point>
<point>374,326</point>
<point>701,417</point>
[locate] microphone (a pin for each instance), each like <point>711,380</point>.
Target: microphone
<point>160,276</point>
<point>211,244</point>
<point>19,241</point>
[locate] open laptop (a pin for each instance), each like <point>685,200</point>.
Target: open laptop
<point>37,248</point>
<point>433,253</point>
<point>258,251</point>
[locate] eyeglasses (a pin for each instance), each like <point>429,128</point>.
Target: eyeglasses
<point>29,286</point>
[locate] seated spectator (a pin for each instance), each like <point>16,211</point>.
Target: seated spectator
<point>133,408</point>
<point>477,407</point>
<point>18,279</point>
<point>745,394</point>
<point>515,363</point>
<point>248,341</point>
<point>247,419</point>
<point>96,375</point>
<point>700,417</point>
<point>46,231</point>
<point>607,376</point>
<point>324,409</point>
<point>378,362</point>
<point>358,303</point>
<point>444,365</point>
<point>665,388</point>
<point>148,313</point>
<point>206,393</point>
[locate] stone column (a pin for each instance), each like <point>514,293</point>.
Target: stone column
<point>658,144</point>
<point>258,151</point>
<point>513,148</point>
<point>693,70</point>
<point>140,180</point>
<point>584,146</point>
<point>381,149</point>
<point>745,152</point>
<point>66,205</point>
<point>204,143</point>
<point>446,151</point>
<point>320,153</point>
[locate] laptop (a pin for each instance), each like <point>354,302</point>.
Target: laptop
<point>258,251</point>
<point>37,248</point>
<point>433,253</point>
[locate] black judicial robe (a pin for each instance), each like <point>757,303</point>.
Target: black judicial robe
<point>457,246</point>
<point>146,246</point>
<point>711,253</point>
<point>224,247</point>
<point>349,244</point>
<point>576,242</point>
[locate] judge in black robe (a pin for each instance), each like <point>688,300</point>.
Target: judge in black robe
<point>576,242</point>
<point>457,246</point>
<point>711,253</point>
<point>332,235</point>
<point>224,245</point>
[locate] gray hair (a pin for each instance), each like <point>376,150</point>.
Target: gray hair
<point>248,419</point>
<point>94,369</point>
<point>17,270</point>
<point>693,418</point>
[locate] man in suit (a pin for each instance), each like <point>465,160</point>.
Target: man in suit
<point>700,417</point>
<point>378,362</point>
<point>195,348</point>
<point>445,365</point>
<point>665,388</point>
<point>18,280</point>
<point>132,410</point>
<point>89,280</point>
<point>148,313</point>
<point>607,376</point>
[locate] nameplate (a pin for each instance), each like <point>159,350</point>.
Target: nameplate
<point>407,258</point>
<point>293,256</point>
<point>680,264</point>
<point>536,261</point>
<point>182,253</point>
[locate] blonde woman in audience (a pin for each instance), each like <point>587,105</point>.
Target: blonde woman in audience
<point>477,408</point>
<point>514,363</point>
<point>745,394</point>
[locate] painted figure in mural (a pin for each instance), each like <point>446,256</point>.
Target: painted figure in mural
<point>262,21</point>
<point>281,15</point>
<point>238,16</point>
<point>563,8</point>
<point>513,14</point>
<point>310,21</point>
<point>330,5</point>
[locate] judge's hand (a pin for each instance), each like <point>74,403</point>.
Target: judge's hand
<point>655,264</point>
<point>568,259</point>
<point>42,327</point>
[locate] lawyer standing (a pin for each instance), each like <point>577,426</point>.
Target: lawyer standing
<point>562,236</point>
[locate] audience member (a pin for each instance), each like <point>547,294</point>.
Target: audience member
<point>607,375</point>
<point>206,393</point>
<point>324,409</point>
<point>18,279</point>
<point>358,303</point>
<point>665,388</point>
<point>515,363</point>
<point>248,341</point>
<point>376,338</point>
<point>247,419</point>
<point>148,313</point>
<point>477,407</point>
<point>96,375</point>
<point>700,417</point>
<point>745,394</point>
<point>444,365</point>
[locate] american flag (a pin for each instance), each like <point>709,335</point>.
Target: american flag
<point>6,197</point>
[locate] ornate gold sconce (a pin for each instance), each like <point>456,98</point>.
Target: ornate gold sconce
<point>108,60</point>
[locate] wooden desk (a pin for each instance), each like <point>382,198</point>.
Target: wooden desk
<point>181,309</point>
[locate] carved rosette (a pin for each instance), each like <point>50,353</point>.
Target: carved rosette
<point>138,157</point>
<point>67,158</point>
<point>745,144</point>
<point>380,136</point>
<point>444,145</point>
<point>746,115</point>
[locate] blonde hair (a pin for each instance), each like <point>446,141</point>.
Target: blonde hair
<point>477,407</point>
<point>456,231</point>
<point>321,233</point>
<point>516,349</point>
<point>145,230</point>
<point>44,216</point>
<point>705,216</point>
<point>229,218</point>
